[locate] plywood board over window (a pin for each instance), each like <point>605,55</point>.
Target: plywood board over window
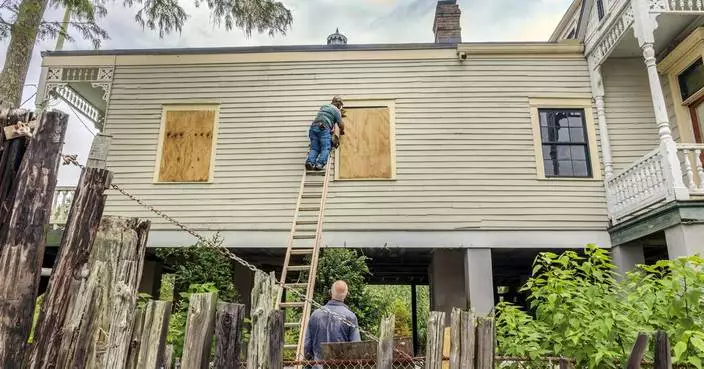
<point>366,151</point>
<point>187,144</point>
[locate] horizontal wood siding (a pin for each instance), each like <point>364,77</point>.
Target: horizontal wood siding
<point>629,110</point>
<point>464,146</point>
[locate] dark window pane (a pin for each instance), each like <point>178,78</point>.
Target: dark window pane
<point>580,168</point>
<point>549,169</point>
<point>543,118</point>
<point>575,120</point>
<point>692,79</point>
<point>565,168</point>
<point>544,133</point>
<point>564,134</point>
<point>600,9</point>
<point>577,135</point>
<point>579,152</point>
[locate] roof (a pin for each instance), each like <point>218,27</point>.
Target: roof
<point>253,49</point>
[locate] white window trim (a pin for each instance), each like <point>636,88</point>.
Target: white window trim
<point>553,103</point>
<point>371,103</point>
<point>162,132</point>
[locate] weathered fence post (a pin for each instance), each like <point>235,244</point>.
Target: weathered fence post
<point>11,154</point>
<point>456,341</point>
<point>199,330</point>
<point>153,341</point>
<point>467,336</point>
<point>275,326</point>
<point>385,349</point>
<point>136,340</point>
<point>228,335</point>
<point>662,351</point>
<point>71,269</point>
<point>264,292</point>
<point>23,237</point>
<point>485,343</point>
<point>638,351</point>
<point>564,364</point>
<point>168,356</point>
<point>433,349</point>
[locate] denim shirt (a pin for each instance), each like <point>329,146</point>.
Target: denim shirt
<point>325,328</point>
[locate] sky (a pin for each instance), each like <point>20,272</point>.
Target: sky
<point>362,21</point>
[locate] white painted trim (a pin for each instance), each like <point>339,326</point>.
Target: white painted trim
<point>370,103</point>
<point>162,131</point>
<point>552,103</point>
<point>525,239</point>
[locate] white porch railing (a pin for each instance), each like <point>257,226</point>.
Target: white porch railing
<point>645,183</point>
<point>680,6</point>
<point>63,197</point>
<point>637,187</point>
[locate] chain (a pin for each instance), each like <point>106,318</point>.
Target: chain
<point>73,160</point>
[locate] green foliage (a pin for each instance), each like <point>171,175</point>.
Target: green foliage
<point>579,309</point>
<point>198,265</point>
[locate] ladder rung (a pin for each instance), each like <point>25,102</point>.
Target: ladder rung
<point>297,304</point>
<point>292,325</point>
<point>303,236</point>
<point>315,173</point>
<point>306,222</point>
<point>314,184</point>
<point>298,268</point>
<point>312,196</point>
<point>295,285</point>
<point>310,208</point>
<point>301,251</point>
<point>291,347</point>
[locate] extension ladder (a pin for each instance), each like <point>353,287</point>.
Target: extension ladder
<point>302,251</point>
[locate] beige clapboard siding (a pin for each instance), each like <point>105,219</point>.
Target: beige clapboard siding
<point>629,110</point>
<point>464,149</point>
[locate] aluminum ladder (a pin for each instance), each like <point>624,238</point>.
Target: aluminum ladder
<point>302,252</point>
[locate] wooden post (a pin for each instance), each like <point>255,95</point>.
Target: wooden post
<point>638,351</point>
<point>456,341</point>
<point>71,269</point>
<point>414,319</point>
<point>23,237</point>
<point>168,357</point>
<point>433,347</point>
<point>467,337</point>
<point>199,330</point>
<point>564,364</point>
<point>385,349</point>
<point>275,326</point>
<point>228,335</point>
<point>485,343</point>
<point>136,340</point>
<point>264,293</point>
<point>156,325</point>
<point>662,351</point>
<point>11,154</point>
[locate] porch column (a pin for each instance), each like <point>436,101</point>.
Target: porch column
<point>644,25</point>
<point>598,95</point>
<point>480,280</point>
<point>685,240</point>
<point>627,256</point>
<point>447,277</point>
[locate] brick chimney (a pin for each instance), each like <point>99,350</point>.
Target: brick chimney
<point>447,22</point>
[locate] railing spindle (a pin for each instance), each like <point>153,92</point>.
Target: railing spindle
<point>700,170</point>
<point>688,170</point>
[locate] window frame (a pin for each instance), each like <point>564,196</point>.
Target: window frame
<point>162,132</point>
<point>594,166</point>
<point>373,103</point>
<point>600,11</point>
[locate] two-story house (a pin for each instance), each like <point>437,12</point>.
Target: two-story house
<point>468,160</point>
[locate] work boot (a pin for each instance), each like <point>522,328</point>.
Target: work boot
<point>319,167</point>
<point>309,166</point>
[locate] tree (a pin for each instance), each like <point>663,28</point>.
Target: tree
<point>23,21</point>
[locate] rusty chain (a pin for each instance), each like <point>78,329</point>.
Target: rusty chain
<point>73,160</point>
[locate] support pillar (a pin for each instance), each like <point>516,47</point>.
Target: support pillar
<point>151,278</point>
<point>685,240</point>
<point>627,256</point>
<point>479,280</point>
<point>447,282</point>
<point>598,95</point>
<point>414,319</point>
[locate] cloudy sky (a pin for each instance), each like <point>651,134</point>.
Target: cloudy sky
<point>362,21</point>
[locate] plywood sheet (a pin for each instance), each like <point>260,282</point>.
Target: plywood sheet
<point>187,148</point>
<point>365,150</point>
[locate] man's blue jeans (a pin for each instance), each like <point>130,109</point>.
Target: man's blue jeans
<point>320,144</point>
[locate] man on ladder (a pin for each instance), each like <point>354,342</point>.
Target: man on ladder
<point>320,133</point>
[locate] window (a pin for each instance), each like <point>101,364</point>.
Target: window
<point>691,79</point>
<point>563,135</point>
<point>600,9</point>
<point>366,150</point>
<point>565,139</point>
<point>187,144</point>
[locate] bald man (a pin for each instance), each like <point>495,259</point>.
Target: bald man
<point>325,328</point>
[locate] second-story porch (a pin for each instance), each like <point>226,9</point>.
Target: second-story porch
<point>645,58</point>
